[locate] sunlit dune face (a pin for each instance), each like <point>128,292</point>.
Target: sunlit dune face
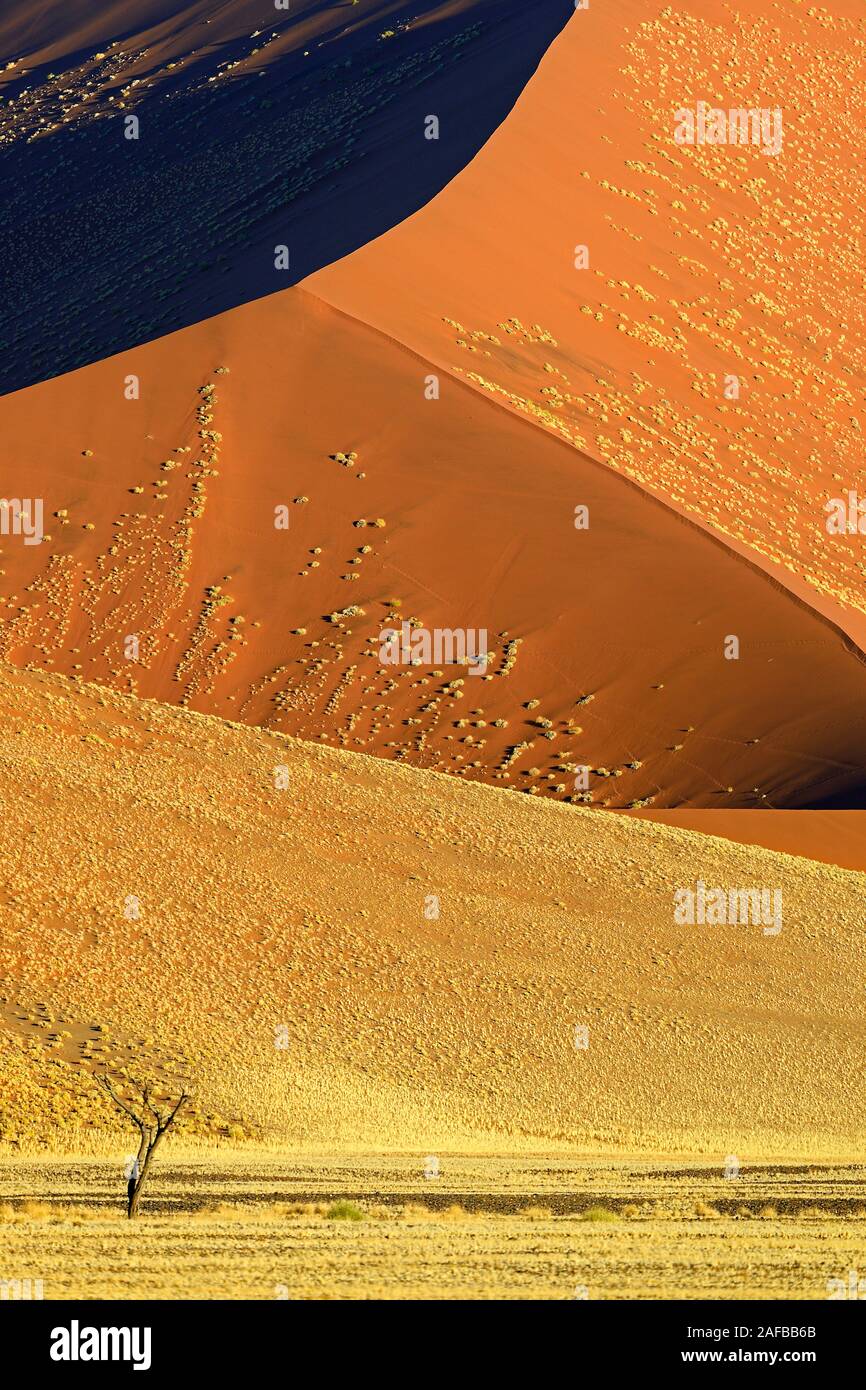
<point>692,314</point>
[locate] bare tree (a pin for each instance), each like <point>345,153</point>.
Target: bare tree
<point>152,1124</point>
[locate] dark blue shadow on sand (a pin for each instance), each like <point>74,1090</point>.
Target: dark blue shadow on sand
<point>110,242</point>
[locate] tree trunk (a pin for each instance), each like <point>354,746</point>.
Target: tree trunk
<point>142,1161</point>
<point>136,1191</point>
<point>150,1151</point>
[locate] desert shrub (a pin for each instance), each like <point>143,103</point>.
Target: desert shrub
<point>344,1211</point>
<point>704,1209</point>
<point>598,1214</point>
<point>32,1210</point>
<point>454,1213</point>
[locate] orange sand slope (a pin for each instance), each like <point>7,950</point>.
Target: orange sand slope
<point>427,954</point>
<point>833,837</point>
<point>706,263</point>
<point>162,572</point>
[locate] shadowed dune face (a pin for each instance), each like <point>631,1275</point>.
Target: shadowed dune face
<point>369,954</point>
<point>708,344</point>
<point>282,492</point>
<point>160,166</point>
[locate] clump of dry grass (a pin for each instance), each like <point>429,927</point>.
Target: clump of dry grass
<point>414,1211</point>
<point>454,1213</point>
<point>345,1211</point>
<point>598,1214</point>
<point>231,1211</point>
<point>301,1208</point>
<point>12,1213</point>
<point>259,1211</point>
<point>536,1213</point>
<point>705,1211</point>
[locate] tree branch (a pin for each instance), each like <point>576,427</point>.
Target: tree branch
<point>105,1083</point>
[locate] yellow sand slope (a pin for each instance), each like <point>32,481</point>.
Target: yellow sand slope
<point>305,915</point>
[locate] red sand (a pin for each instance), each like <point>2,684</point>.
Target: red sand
<point>479,533</point>
<point>557,386</point>
<point>704,262</point>
<point>833,837</point>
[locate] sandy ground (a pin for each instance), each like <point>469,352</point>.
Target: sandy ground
<point>541,1228</point>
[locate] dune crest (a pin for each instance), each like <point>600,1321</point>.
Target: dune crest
<point>168,161</point>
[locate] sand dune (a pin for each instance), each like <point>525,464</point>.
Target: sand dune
<point>306,915</point>
<point>163,573</point>
<point>833,837</point>
<point>607,644</point>
<point>711,269</point>
<point>266,143</point>
<point>552,387</point>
